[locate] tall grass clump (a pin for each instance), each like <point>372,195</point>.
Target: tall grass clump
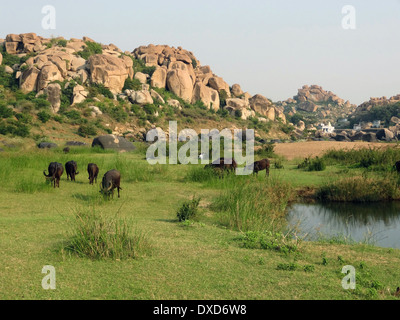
<point>316,164</point>
<point>100,236</point>
<point>371,158</point>
<point>32,184</point>
<point>200,174</point>
<point>360,189</point>
<point>253,206</point>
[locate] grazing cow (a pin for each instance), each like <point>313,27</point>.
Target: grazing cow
<point>223,164</point>
<point>93,171</point>
<point>66,150</point>
<point>260,166</point>
<point>71,167</point>
<point>56,170</point>
<point>111,180</point>
<point>397,166</point>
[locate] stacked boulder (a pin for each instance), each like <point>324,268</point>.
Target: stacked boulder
<point>50,62</point>
<point>179,71</point>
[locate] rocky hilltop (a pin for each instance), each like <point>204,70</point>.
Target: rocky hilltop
<point>318,104</point>
<point>375,102</point>
<point>49,66</point>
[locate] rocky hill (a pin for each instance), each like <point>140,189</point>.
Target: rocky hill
<point>315,105</point>
<point>99,88</point>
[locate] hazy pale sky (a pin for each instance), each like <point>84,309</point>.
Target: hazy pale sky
<point>271,47</point>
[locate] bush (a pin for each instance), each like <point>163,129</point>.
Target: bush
<point>99,89</point>
<point>24,118</point>
<point>140,66</point>
<point>223,95</point>
<point>316,164</point>
<point>73,115</point>
<point>44,116</point>
<point>132,84</point>
<point>5,112</point>
<point>188,210</point>
<point>267,151</point>
<point>90,49</point>
<point>13,127</point>
<point>62,43</point>
<point>87,130</point>
<point>41,103</point>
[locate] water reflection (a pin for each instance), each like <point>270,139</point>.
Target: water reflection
<point>377,223</point>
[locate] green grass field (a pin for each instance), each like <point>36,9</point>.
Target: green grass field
<point>198,259</point>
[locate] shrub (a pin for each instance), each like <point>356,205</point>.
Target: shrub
<point>44,116</point>
<point>24,118</point>
<point>87,130</point>
<point>13,127</point>
<point>238,113</point>
<point>73,115</point>
<point>41,103</point>
<point>267,151</point>
<point>132,84</point>
<point>90,49</point>
<point>5,112</point>
<point>188,210</point>
<point>62,43</point>
<point>317,164</point>
<point>99,89</point>
<point>223,95</point>
<point>140,66</point>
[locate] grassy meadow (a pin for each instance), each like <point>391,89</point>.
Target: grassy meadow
<point>234,246</point>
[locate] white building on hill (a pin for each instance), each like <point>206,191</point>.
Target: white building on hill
<point>326,128</point>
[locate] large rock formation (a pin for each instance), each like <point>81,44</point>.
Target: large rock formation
<point>109,71</point>
<point>55,61</point>
<point>318,103</point>
<point>180,83</point>
<point>207,95</point>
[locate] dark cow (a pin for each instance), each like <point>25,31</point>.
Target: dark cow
<point>223,164</point>
<point>397,166</point>
<point>260,166</point>
<point>66,150</point>
<point>56,170</point>
<point>71,167</point>
<point>93,171</point>
<point>111,180</point>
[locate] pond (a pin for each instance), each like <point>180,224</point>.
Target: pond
<point>374,223</point>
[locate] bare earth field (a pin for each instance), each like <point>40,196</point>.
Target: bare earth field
<point>317,148</point>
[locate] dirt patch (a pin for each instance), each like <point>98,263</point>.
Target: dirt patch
<point>317,148</point>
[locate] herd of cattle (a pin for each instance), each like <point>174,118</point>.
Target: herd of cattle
<point>112,179</point>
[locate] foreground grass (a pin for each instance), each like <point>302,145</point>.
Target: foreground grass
<point>201,260</point>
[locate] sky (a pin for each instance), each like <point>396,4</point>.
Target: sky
<point>269,47</point>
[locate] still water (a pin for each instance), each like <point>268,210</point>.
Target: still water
<point>374,223</point>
